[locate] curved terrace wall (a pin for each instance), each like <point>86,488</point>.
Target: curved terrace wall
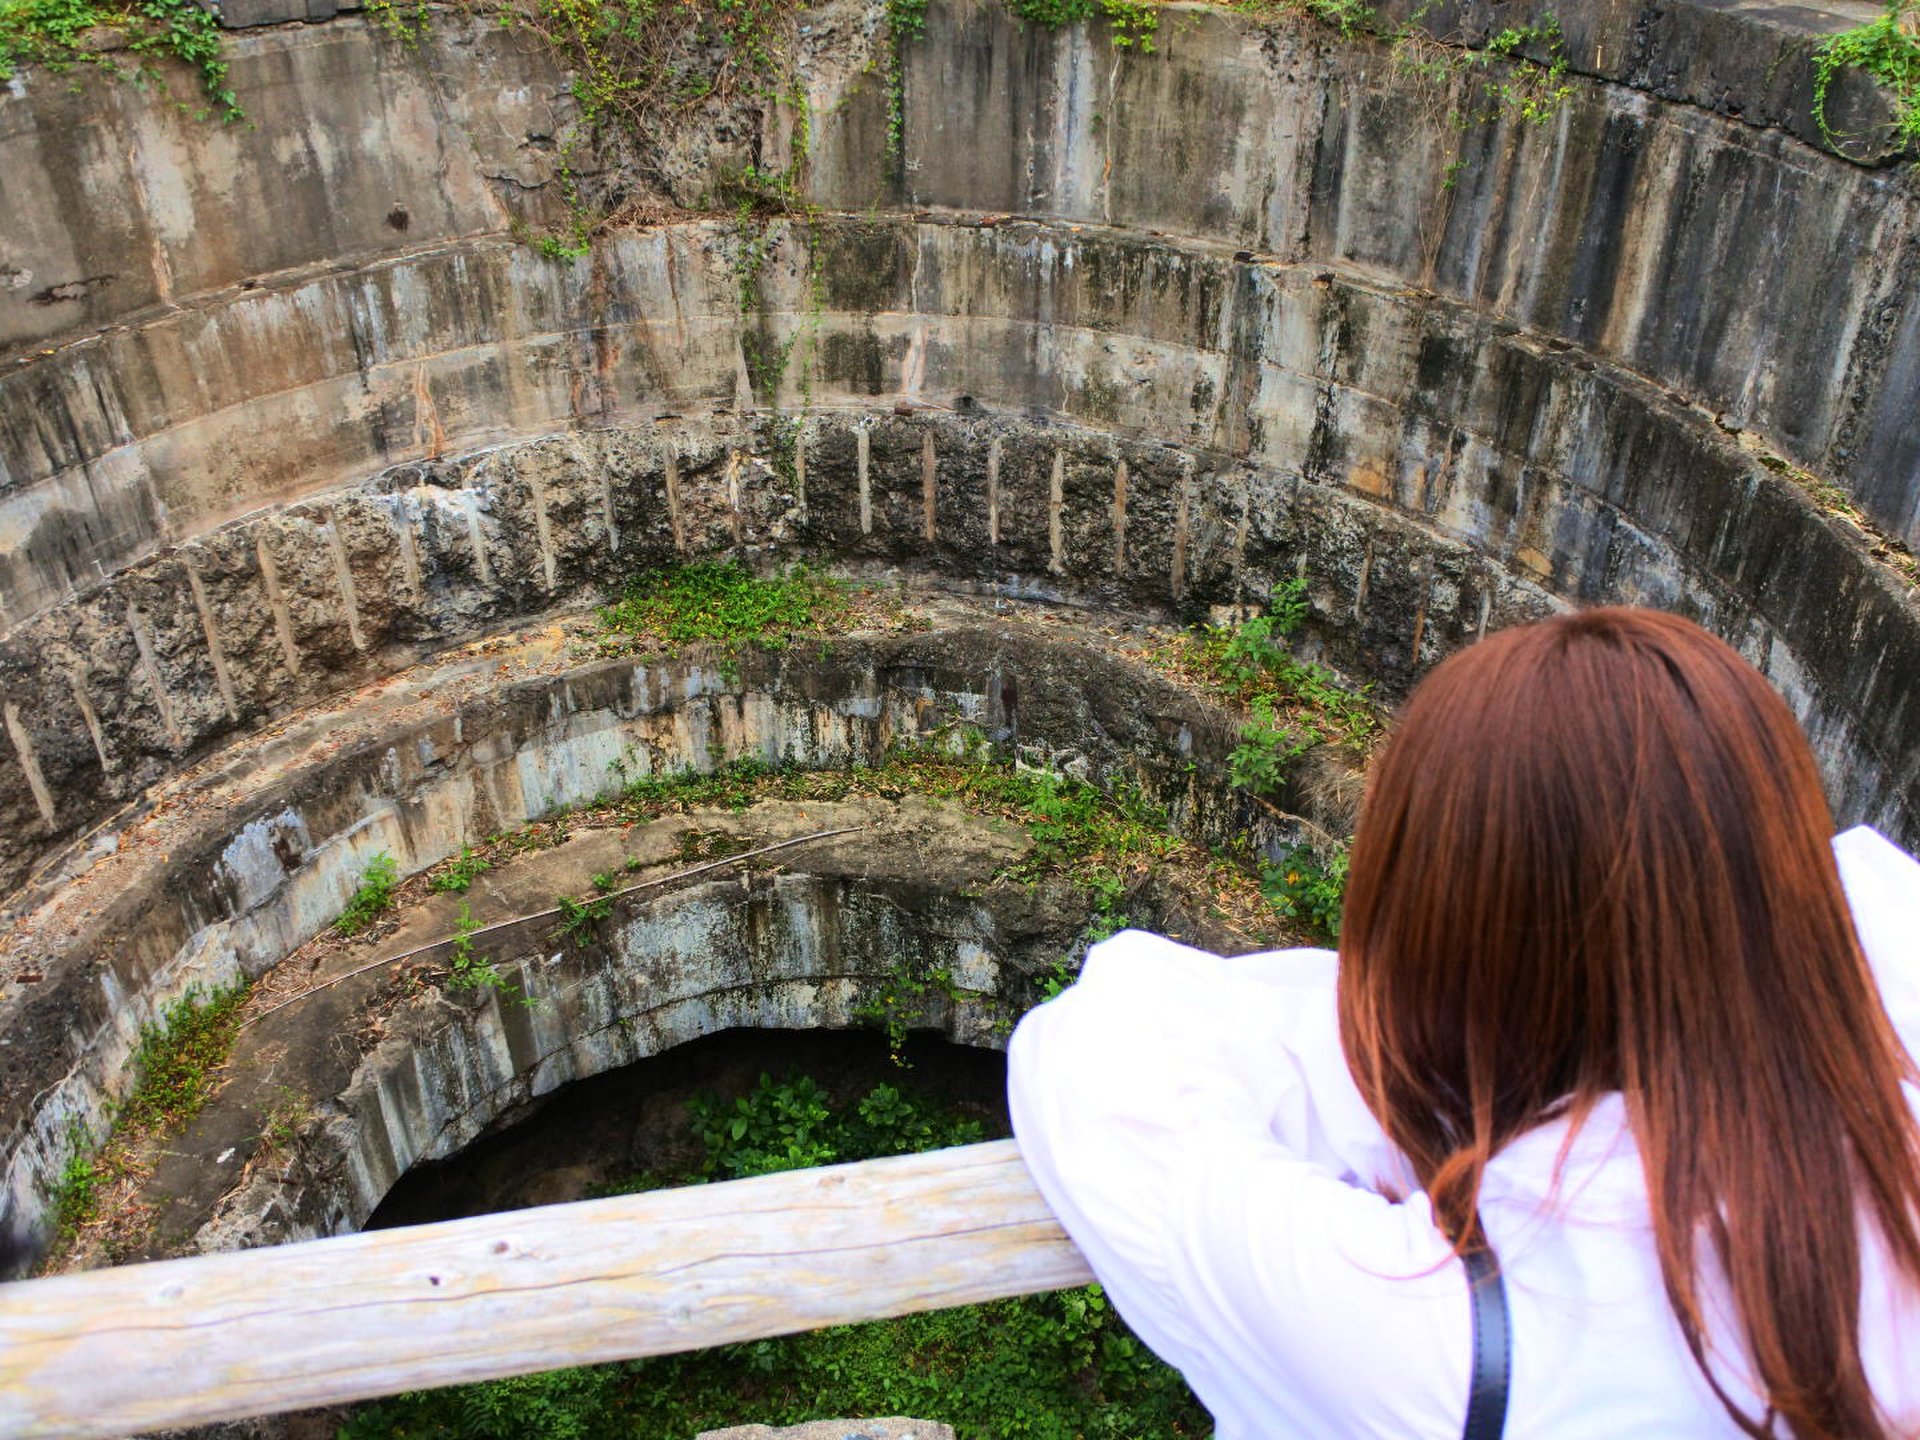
<point>289,406</point>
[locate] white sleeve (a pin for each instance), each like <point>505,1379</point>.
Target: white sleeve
<point>1882,883</point>
<point>1178,1112</point>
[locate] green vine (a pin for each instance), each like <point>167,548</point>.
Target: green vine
<point>57,35</point>
<point>1886,48</point>
<point>1134,24</point>
<point>905,20</point>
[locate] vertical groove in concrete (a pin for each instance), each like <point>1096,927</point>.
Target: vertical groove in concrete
<point>1120,518</point>
<point>1486,605</point>
<point>543,530</point>
<point>929,485</point>
<point>860,451</point>
<point>993,491</point>
<point>800,472</point>
<point>735,462</point>
<point>1182,510</point>
<point>403,522</point>
<point>428,432</point>
<point>606,511</point>
<point>343,576</point>
<point>1360,586</point>
<point>150,668</point>
<point>674,517</point>
<point>221,676</point>
<point>1240,527</point>
<point>1425,582</point>
<point>92,719</point>
<point>29,763</point>
<point>1056,514</point>
<point>277,603</point>
<point>476,537</point>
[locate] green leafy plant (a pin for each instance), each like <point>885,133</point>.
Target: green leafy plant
<point>465,969</point>
<point>178,1058</point>
<point>726,604</point>
<point>1267,747</point>
<point>76,1194</point>
<point>1133,25</point>
<point>578,917</point>
<point>901,999</point>
<point>1887,48</point>
<point>460,872</point>
<point>1058,978</point>
<point>282,1123</point>
<point>1308,884</point>
<point>57,35</point>
<point>372,898</point>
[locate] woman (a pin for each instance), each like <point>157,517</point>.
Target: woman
<point>1600,1007</point>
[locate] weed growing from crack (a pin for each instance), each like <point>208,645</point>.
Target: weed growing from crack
<point>177,1062</point>
<point>465,969</point>
<point>372,898</point>
<point>578,917</point>
<point>1309,884</point>
<point>76,1194</point>
<point>1133,24</point>
<point>178,1058</point>
<point>459,873</point>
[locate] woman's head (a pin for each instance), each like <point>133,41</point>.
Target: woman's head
<point>1595,857</point>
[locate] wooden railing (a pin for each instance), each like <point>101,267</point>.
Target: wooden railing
<point>112,1352</point>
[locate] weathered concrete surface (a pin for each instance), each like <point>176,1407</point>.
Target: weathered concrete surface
<point>842,924</point>
<point>1509,475</point>
<point>1724,258</point>
<point>264,426</point>
<point>1347,352</point>
<point>231,630</point>
<point>234,869</point>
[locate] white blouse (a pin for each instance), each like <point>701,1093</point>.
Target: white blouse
<point>1193,1124</point>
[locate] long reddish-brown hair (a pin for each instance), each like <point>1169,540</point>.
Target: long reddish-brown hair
<point>1595,857</point>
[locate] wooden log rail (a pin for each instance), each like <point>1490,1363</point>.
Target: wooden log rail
<point>178,1342</point>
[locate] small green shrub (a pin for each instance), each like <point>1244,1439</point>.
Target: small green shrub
<point>1267,747</point>
<point>76,1195</point>
<point>460,872</point>
<point>465,969</point>
<point>372,898</point>
<point>725,604</point>
<point>1308,885</point>
<point>1887,48</point>
<point>1133,24</point>
<point>177,1060</point>
<point>50,34</point>
<point>578,917</point>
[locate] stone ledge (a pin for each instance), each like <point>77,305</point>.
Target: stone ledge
<point>245,14</point>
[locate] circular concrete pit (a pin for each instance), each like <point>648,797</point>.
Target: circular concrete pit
<point>304,512</point>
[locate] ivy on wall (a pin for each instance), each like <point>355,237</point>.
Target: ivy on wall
<point>123,37</point>
<point>1886,48</point>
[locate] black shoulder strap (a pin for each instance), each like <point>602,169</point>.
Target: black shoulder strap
<point>1492,1347</point>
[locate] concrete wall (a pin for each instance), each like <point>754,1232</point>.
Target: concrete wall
<point>246,866</point>
<point>1522,362</point>
<point>286,406</point>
